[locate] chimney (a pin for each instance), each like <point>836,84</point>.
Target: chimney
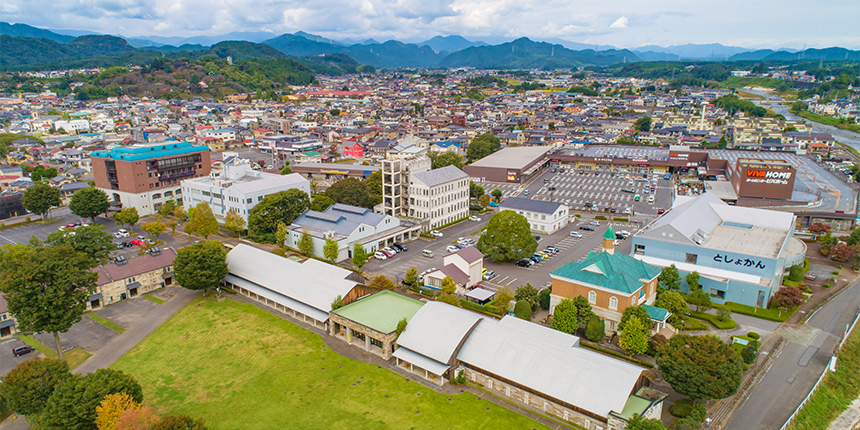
<point>609,241</point>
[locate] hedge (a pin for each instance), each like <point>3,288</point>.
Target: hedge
<point>622,219</point>
<point>616,354</point>
<point>728,324</point>
<point>484,309</point>
<point>600,217</point>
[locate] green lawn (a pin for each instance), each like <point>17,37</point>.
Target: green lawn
<point>73,357</point>
<point>728,324</point>
<point>153,299</point>
<point>106,322</point>
<point>829,120</point>
<point>237,366</point>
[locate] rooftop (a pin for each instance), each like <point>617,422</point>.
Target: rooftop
<point>381,311</point>
<point>616,271</point>
<point>147,152</point>
<point>513,158</point>
<point>523,204</point>
<point>440,176</point>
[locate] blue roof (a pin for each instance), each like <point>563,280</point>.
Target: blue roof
<point>137,153</point>
<point>446,143</point>
<point>340,218</point>
<point>657,314</point>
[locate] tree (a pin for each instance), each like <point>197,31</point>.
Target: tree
<point>179,212</point>
<point>693,280</point>
<point>202,222</point>
<point>634,337</point>
<point>40,198</point>
<point>281,207</point>
<point>382,282</point>
<point>583,309</point>
<point>286,170</point>
<point>475,190</point>
<point>127,216</point>
<point>673,302</point>
<point>201,266</point>
<point>173,224</point>
<point>281,233</point>
<point>374,187</point>
<point>482,146</point>
<point>544,297</point>
<point>359,255</point>
<point>528,293</point>
<point>137,419</point>
<point>497,194</point>
<point>523,310</point>
<point>179,422</point>
<point>89,203</point>
<point>748,353</point>
<point>73,404</point>
<point>167,208</point>
<point>40,174</point>
<point>28,386</point>
<point>331,250</point>
<point>700,299</point>
<point>819,228</point>
<point>564,317</point>
<point>92,241</point>
<point>47,288</point>
<point>642,124</point>
<point>349,191</point>
<point>786,297</point>
<point>411,278</point>
<point>439,160</point>
<point>638,422</point>
<point>337,302</point>
<point>448,285</point>
<point>700,367</point>
<point>503,300</point>
<point>670,278</point>
<point>595,329</point>
<point>321,202</point>
<point>110,409</point>
<point>508,237</point>
<point>306,243</point>
<point>234,222</point>
<point>635,312</point>
<point>841,253</point>
<point>401,326</point>
<point>449,299</point>
<point>154,228</point>
<point>484,201</point>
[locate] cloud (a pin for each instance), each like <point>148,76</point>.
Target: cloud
<point>619,23</point>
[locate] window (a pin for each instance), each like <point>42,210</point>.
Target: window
<point>249,200</point>
<point>612,325</point>
<point>691,258</point>
<point>129,280</point>
<point>592,297</point>
<point>640,250</point>
<point>613,303</point>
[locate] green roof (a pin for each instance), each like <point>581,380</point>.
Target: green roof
<point>381,311</point>
<point>310,153</point>
<point>634,405</point>
<point>616,271</point>
<point>657,314</point>
<point>610,233</point>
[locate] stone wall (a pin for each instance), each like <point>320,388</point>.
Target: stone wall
<point>149,281</point>
<point>347,327</point>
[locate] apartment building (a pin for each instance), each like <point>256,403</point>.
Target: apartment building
<point>145,176</point>
<point>440,196</point>
<point>401,161</point>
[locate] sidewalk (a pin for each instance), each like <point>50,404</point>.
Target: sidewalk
<point>124,342</point>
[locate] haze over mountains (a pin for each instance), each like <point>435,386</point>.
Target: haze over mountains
<point>27,46</point>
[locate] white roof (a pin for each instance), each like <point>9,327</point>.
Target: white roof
<point>708,272</point>
<point>437,329</point>
<point>550,362</point>
<point>313,282</point>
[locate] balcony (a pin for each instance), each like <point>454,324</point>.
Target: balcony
<point>177,175</point>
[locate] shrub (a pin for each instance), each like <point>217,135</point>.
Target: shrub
<point>754,335</point>
<point>786,297</point>
<point>795,273</point>
<point>723,314</point>
<point>835,272</point>
<point>523,310</point>
<point>600,217</point>
<point>681,408</point>
<point>827,285</point>
<point>622,219</point>
<point>595,329</point>
<point>749,352</point>
<point>728,324</point>
<point>544,297</point>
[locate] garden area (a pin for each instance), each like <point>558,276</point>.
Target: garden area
<point>275,374</point>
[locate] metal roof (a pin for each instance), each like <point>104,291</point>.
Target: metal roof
<point>421,361</point>
<point>513,158</point>
<point>439,176</point>
<point>437,330</point>
<point>550,362</point>
<point>529,205</point>
<point>344,219</point>
<point>381,311</point>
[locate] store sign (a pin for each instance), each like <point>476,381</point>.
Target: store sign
<point>603,160</point>
<point>678,155</point>
<point>340,172</point>
<point>640,160</point>
<point>768,177</point>
<point>512,176</point>
<point>745,262</point>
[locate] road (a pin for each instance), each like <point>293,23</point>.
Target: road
<point>801,361</point>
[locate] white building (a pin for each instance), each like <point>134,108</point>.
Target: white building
<point>73,126</point>
<point>238,187</point>
<point>439,196</point>
<point>465,267</point>
<point>544,217</point>
<point>400,162</point>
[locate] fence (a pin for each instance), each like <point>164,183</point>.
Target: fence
<point>831,366</point>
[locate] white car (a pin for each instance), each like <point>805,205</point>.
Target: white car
<point>436,233</point>
<point>651,199</point>
<point>575,234</point>
<point>390,250</point>
<point>474,218</point>
<point>452,248</point>
<point>595,223</point>
<point>628,211</point>
<point>379,256</point>
<point>121,233</point>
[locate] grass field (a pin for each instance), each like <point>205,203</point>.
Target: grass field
<point>106,322</point>
<point>73,357</point>
<point>829,120</point>
<point>153,299</point>
<point>239,367</point>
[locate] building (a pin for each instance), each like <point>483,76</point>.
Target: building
<point>740,253</point>
<point>334,172</point>
<point>528,364</point>
<point>238,187</point>
<point>8,325</point>
<point>439,196</point>
<point>146,176</point>
<point>348,225</point>
<point>611,282</point>
<point>465,267</point>
<point>371,322</point>
<point>125,279</point>
<point>543,216</point>
<point>515,164</point>
<point>303,291</point>
<point>399,164</point>
<point>766,179</point>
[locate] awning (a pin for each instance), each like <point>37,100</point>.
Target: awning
<point>278,298</point>
<point>132,285</point>
<point>480,294</point>
<point>421,361</point>
<point>7,323</point>
<point>96,296</point>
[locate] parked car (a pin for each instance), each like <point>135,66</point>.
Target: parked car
<point>575,234</point>
<point>489,274</point>
<point>21,350</point>
<point>380,255</point>
<point>524,262</point>
<point>121,233</point>
<point>661,211</point>
<point>586,227</point>
<point>494,205</point>
<point>390,250</point>
<point>452,248</point>
<point>387,253</point>
<point>399,246</point>
<point>594,223</point>
<point>474,218</point>
<point>537,238</point>
<point>553,248</point>
<point>121,245</point>
<point>137,242</point>
<point>628,211</point>
<point>436,233</point>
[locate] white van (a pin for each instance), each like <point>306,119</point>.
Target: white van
<point>428,253</point>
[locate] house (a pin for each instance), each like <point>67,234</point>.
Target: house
<point>612,282</point>
<point>8,325</point>
<point>543,216</point>
<point>352,149</point>
<point>124,279</point>
<point>464,266</point>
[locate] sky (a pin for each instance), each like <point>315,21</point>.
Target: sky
<point>621,23</point>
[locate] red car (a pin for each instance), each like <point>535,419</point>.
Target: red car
<point>137,242</point>
<point>659,211</point>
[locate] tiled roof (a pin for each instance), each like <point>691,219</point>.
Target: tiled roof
<point>136,266</point>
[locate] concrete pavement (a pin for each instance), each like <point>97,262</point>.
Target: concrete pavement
<point>124,342</point>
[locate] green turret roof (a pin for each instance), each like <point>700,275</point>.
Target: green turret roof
<point>610,233</point>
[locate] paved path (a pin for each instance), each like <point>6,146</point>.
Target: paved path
<point>848,420</point>
<point>124,342</point>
